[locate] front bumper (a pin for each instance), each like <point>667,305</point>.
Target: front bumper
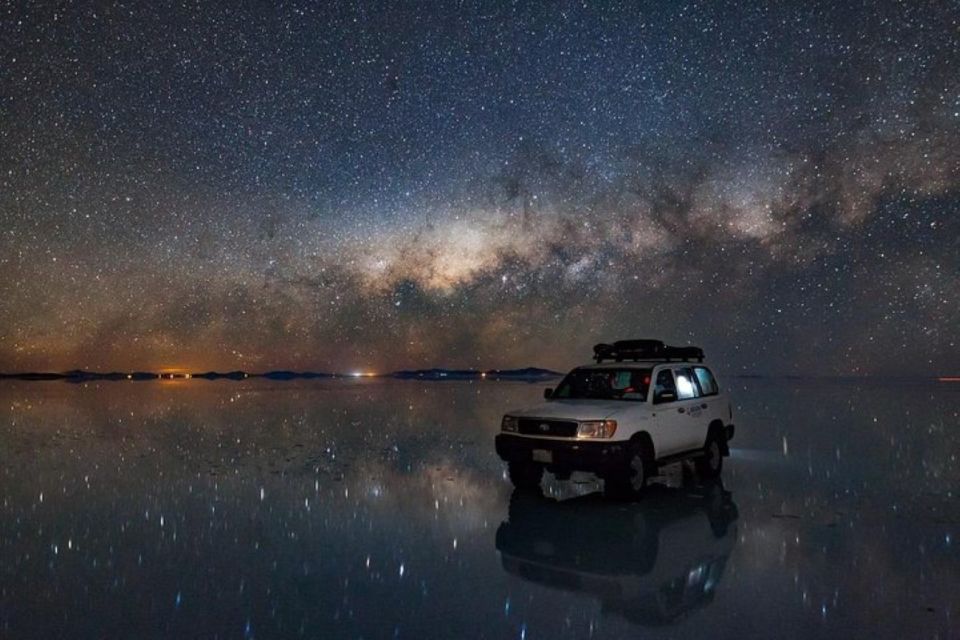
<point>580,455</point>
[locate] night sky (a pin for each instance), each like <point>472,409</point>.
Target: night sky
<point>342,186</point>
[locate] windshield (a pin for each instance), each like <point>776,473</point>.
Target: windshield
<point>605,384</point>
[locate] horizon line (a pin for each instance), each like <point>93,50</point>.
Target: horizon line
<point>279,374</point>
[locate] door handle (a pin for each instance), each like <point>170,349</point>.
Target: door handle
<point>703,406</point>
<point>681,410</point>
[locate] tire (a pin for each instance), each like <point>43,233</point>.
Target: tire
<point>630,481</point>
<point>525,476</point>
<point>710,465</point>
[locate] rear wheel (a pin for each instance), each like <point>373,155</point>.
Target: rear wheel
<point>630,481</point>
<point>710,464</point>
<point>525,476</point>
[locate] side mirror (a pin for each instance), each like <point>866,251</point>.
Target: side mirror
<point>664,396</point>
<point>547,393</point>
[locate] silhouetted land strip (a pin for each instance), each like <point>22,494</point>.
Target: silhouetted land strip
<point>79,375</point>
<point>527,374</point>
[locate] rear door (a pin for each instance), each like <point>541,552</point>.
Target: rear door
<point>716,406</point>
<point>692,407</point>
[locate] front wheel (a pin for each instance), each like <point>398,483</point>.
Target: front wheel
<point>710,464</point>
<point>525,476</point>
<point>629,482</point>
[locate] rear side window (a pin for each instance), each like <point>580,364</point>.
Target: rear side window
<point>686,387</point>
<point>708,384</point>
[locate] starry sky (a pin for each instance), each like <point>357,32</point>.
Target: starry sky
<point>338,185</point>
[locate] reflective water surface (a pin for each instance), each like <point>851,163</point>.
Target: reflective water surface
<point>378,509</point>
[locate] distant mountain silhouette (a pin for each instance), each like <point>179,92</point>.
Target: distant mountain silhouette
<point>216,375</point>
<point>293,375</point>
<point>33,376</point>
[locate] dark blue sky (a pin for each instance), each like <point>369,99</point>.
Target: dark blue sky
<point>357,185</point>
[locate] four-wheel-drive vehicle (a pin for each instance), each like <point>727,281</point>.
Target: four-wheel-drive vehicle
<point>652,563</point>
<point>641,405</point>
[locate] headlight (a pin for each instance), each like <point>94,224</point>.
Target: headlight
<point>509,423</point>
<point>597,429</point>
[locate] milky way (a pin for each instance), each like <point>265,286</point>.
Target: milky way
<point>336,186</point>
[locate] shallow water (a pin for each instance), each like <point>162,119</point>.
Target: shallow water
<point>378,509</point>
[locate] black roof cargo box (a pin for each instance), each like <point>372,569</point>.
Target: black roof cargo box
<point>645,350</point>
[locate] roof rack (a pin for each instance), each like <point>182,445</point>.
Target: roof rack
<point>645,350</point>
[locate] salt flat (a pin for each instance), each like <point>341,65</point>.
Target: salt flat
<point>378,508</point>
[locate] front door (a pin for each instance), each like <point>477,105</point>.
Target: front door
<point>671,415</point>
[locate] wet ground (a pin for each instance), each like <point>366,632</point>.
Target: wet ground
<point>378,509</point>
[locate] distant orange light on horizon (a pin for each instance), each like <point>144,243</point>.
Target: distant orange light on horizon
<point>174,373</point>
<point>949,378</point>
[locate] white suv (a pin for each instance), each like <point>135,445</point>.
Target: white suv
<point>650,405</point>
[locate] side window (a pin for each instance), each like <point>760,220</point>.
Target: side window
<point>686,387</point>
<point>620,381</point>
<point>708,383</point>
<point>665,389</point>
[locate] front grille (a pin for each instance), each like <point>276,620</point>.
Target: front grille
<point>543,427</point>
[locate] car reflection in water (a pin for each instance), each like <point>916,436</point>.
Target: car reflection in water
<point>652,562</point>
